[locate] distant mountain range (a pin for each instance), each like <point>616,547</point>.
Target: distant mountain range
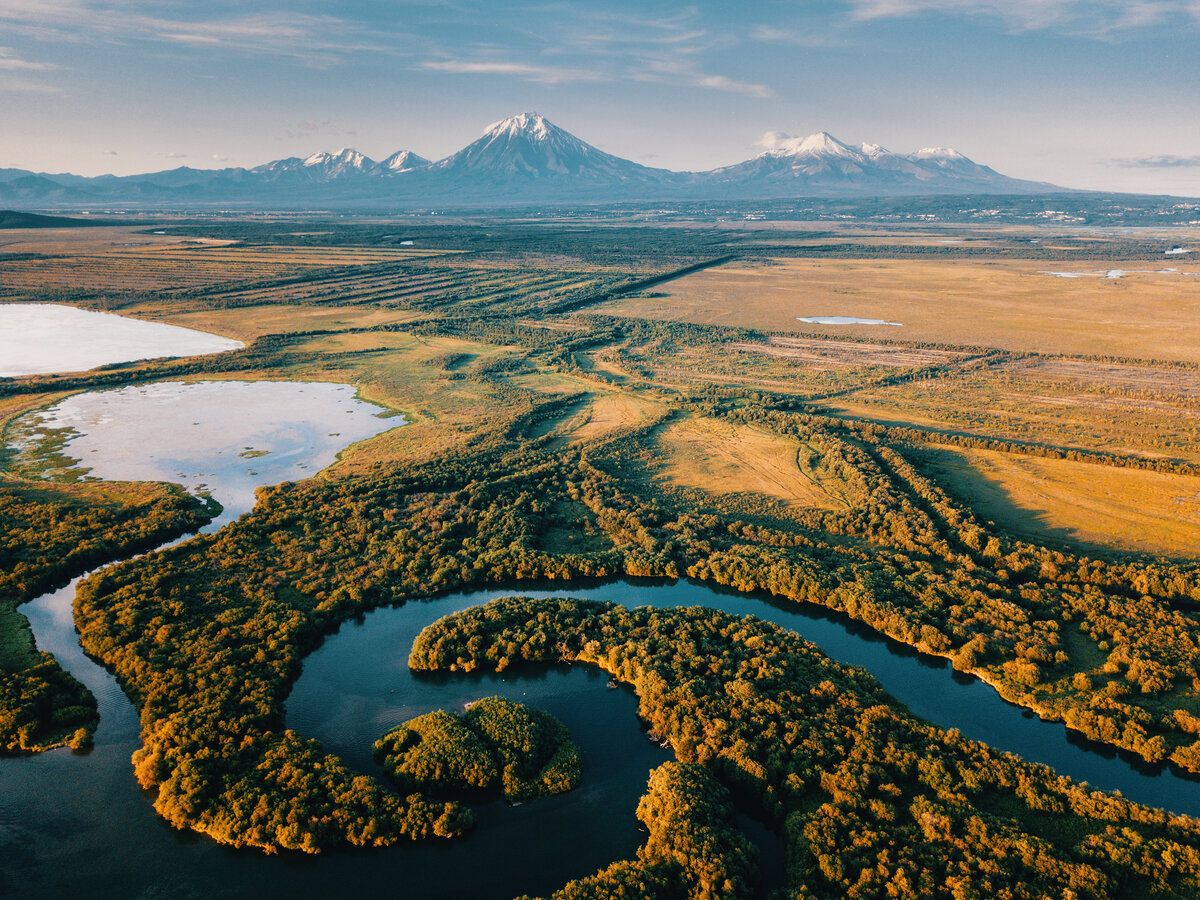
<point>526,159</point>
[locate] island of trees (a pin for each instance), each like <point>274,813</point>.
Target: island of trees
<point>523,752</point>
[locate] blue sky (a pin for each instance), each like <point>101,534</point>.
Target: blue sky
<point>1092,94</point>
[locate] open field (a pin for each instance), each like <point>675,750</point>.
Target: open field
<point>95,240</point>
<point>247,323</point>
<point>609,413</point>
<point>1074,503</point>
<point>720,458</point>
<point>1004,303</point>
<point>408,286</point>
<point>1030,408</point>
<point>141,265</point>
<point>823,353</point>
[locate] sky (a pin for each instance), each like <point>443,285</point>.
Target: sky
<point>1100,94</point>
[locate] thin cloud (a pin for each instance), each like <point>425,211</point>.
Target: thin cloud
<point>1091,18</point>
<point>541,74</point>
<point>109,153</point>
<point>721,83</point>
<point>320,40</point>
<point>674,71</point>
<point>823,38</point>
<point>774,140</point>
<point>1161,161</point>
<point>10,62</point>
<point>25,86</point>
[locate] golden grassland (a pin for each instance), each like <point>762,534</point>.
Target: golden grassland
<point>609,414</point>
<point>1077,503</point>
<point>1038,498</point>
<point>1003,303</point>
<point>1115,407</point>
<point>825,353</point>
<point>1059,412</point>
<point>141,263</point>
<point>95,239</point>
<point>247,323</point>
<point>721,458</point>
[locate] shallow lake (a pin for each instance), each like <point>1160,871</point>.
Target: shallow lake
<point>41,338</point>
<point>79,825</point>
<point>226,438</point>
<point>844,320</point>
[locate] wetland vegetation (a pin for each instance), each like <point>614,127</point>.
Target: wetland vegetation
<point>569,423</point>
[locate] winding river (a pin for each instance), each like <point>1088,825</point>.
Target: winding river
<point>76,824</point>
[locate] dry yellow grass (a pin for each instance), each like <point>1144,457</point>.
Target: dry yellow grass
<point>1078,503</point>
<point>721,458</point>
<point>93,239</point>
<point>123,259</point>
<point>247,323</point>
<point>821,353</point>
<point>998,303</point>
<point>608,414</point>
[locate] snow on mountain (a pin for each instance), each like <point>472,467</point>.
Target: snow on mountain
<point>528,159</point>
<point>334,165</point>
<point>820,164</point>
<point>529,148</point>
<point>403,161</point>
<point>821,145</point>
<point>319,167</point>
<point>937,153</point>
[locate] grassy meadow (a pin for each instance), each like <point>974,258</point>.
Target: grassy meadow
<point>1010,304</point>
<point>1073,503</point>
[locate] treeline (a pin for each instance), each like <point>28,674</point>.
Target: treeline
<point>41,705</point>
<point>693,851</point>
<point>48,535</point>
<point>872,802</point>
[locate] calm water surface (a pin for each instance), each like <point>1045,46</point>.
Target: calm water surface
<point>78,824</point>
<point>41,338</point>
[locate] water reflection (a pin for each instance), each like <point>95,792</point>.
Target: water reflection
<point>45,338</point>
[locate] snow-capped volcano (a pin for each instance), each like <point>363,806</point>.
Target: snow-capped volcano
<point>821,145</point>
<point>821,164</point>
<point>530,148</point>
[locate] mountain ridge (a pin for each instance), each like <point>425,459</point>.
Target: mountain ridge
<point>528,159</point>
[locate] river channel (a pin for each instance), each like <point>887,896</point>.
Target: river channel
<point>76,824</point>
